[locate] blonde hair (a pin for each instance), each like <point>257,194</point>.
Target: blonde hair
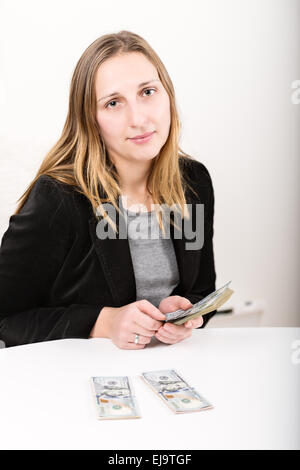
<point>79,157</point>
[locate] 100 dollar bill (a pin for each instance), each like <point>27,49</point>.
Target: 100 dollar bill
<point>202,311</point>
<point>206,305</point>
<point>114,398</point>
<point>175,391</point>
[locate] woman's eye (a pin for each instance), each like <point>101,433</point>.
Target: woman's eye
<point>115,101</point>
<point>150,89</point>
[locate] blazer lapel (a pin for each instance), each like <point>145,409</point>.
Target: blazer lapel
<point>187,260</point>
<point>115,259</point>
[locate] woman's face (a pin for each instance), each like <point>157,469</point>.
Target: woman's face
<point>134,107</point>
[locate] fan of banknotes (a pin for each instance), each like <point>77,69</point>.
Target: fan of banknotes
<point>208,304</point>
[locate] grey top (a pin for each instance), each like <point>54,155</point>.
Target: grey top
<point>153,256</point>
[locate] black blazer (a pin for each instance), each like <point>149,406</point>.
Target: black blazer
<point>56,274</point>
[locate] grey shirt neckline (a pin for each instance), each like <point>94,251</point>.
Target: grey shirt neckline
<point>135,213</point>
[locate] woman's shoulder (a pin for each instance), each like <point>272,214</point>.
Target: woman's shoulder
<point>50,194</point>
<point>195,171</point>
<point>56,184</point>
<point>63,189</point>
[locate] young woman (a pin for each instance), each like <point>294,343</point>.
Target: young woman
<point>58,277</point>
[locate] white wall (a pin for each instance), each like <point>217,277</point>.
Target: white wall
<point>232,64</point>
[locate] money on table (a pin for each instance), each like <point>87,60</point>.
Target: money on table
<point>208,304</point>
<point>114,398</point>
<point>175,391</point>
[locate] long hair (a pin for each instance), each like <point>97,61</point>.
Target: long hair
<point>79,157</point>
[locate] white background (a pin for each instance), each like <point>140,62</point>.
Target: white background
<point>233,64</point>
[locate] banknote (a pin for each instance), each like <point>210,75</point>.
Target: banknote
<point>114,398</point>
<point>208,304</point>
<point>203,303</point>
<point>175,391</point>
<point>202,311</point>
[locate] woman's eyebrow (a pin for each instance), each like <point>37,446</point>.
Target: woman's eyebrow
<point>118,93</point>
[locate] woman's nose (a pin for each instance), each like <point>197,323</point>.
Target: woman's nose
<point>136,114</point>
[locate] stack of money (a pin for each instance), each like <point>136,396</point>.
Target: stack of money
<point>114,398</point>
<point>208,304</point>
<point>175,391</point>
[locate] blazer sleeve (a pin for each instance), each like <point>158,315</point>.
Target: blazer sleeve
<point>32,251</point>
<point>206,281</point>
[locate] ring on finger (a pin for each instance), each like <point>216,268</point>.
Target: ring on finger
<point>137,338</point>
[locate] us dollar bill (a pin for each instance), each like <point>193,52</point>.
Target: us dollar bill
<point>208,304</point>
<point>202,311</point>
<point>114,398</point>
<point>175,391</point>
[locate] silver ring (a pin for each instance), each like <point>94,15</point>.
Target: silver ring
<point>136,339</point>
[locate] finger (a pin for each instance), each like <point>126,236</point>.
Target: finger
<point>140,330</point>
<point>185,303</point>
<point>167,336</point>
<point>145,321</point>
<point>196,323</point>
<point>170,304</point>
<point>147,307</point>
<point>162,340</point>
<point>172,339</point>
<point>174,302</point>
<point>172,329</point>
<point>142,339</point>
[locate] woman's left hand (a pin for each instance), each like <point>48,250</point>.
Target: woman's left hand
<point>170,333</point>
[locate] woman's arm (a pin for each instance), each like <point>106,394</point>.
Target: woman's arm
<point>31,254</point>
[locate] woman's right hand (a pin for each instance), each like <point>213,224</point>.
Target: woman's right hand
<point>121,324</point>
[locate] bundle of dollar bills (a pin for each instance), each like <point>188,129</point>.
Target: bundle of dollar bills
<point>115,399</point>
<point>175,391</point>
<point>208,304</point>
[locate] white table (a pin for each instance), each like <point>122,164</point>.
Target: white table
<point>246,373</point>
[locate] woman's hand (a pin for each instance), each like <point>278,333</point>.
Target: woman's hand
<point>121,324</point>
<point>170,333</point>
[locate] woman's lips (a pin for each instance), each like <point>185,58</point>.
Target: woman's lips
<point>142,140</point>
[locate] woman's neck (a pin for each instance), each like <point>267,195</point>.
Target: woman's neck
<point>133,176</point>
